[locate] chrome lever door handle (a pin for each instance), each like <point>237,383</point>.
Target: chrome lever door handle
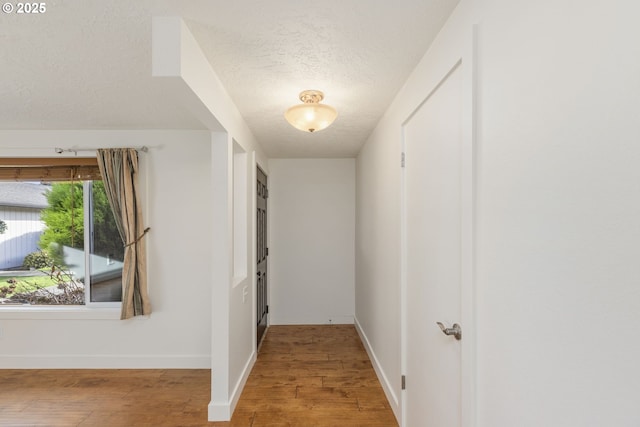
<point>455,330</point>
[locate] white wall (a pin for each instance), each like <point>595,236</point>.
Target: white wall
<point>557,207</point>
<point>378,255</point>
<point>312,228</point>
<point>558,215</point>
<point>177,206</point>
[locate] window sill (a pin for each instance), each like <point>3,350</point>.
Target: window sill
<point>58,313</point>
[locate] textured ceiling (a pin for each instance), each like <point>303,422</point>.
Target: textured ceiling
<point>86,64</point>
<point>83,65</point>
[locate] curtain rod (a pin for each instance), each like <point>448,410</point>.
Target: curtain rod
<point>58,150</point>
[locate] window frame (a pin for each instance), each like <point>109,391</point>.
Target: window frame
<point>87,194</point>
<point>90,309</point>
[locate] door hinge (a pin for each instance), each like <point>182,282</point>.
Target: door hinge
<point>266,193</point>
<point>266,251</point>
<point>404,382</point>
<point>267,311</point>
<point>402,159</point>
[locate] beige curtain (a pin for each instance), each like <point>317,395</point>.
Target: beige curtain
<point>119,169</point>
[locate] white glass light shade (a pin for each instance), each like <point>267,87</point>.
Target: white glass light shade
<point>311,116</point>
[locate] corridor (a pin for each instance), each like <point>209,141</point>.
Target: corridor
<point>312,376</point>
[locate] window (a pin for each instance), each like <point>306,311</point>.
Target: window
<point>61,245</point>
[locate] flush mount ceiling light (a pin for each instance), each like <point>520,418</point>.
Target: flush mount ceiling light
<point>311,116</point>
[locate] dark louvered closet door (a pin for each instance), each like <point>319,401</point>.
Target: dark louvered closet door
<point>262,253</point>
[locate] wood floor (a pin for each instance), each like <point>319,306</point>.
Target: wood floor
<point>305,376</point>
<point>104,398</point>
<point>312,376</point>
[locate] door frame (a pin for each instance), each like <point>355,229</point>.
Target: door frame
<point>466,58</point>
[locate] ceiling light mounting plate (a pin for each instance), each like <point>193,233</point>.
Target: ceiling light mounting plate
<point>311,96</point>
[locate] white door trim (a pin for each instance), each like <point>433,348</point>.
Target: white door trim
<point>467,59</point>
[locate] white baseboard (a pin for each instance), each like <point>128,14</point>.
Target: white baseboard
<point>382,377</point>
<point>312,320</point>
<point>85,361</point>
<point>237,391</point>
<point>222,411</point>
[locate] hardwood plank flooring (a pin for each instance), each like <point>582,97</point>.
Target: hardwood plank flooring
<point>305,376</point>
<point>312,376</point>
<point>109,397</point>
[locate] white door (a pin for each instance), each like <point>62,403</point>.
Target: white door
<point>432,256</point>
